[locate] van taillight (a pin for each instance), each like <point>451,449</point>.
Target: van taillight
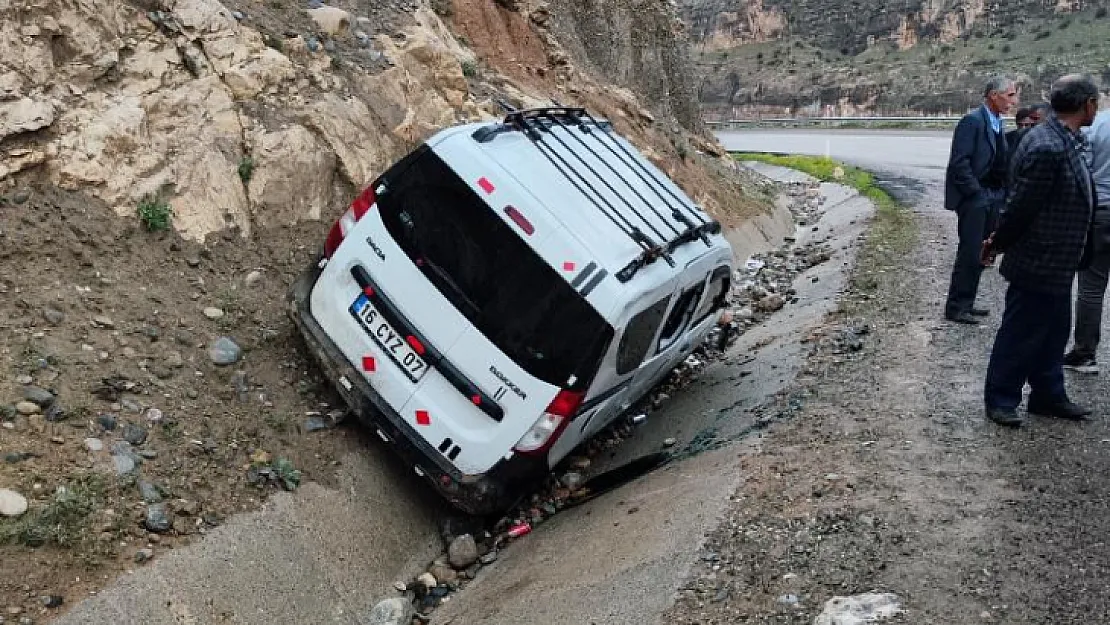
<point>550,426</point>
<point>347,221</point>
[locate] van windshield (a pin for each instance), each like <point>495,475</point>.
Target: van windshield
<point>480,264</point>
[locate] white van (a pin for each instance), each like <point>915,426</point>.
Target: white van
<point>504,292</point>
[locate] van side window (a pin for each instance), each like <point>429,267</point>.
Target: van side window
<point>680,315</point>
<point>717,295</point>
<point>638,336</point>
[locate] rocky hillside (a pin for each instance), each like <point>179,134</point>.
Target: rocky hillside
<point>264,112</point>
<point>811,56</point>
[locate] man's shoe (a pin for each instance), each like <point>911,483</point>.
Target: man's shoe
<point>1005,416</point>
<point>980,312</point>
<point>1066,409</point>
<point>1080,363</point>
<point>964,317</point>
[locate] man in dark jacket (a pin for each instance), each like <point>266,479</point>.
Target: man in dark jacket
<point>1043,234</point>
<point>1025,119</point>
<point>975,187</point>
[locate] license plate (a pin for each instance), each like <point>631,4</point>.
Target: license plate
<point>388,338</point>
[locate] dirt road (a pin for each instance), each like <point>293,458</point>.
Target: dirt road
<point>890,479</point>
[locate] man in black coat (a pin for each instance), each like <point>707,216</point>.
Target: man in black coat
<point>1025,119</point>
<point>975,187</point>
<point>1043,235</point>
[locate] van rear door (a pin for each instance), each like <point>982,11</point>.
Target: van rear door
<point>519,333</point>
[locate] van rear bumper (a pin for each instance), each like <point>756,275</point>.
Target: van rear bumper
<point>490,492</point>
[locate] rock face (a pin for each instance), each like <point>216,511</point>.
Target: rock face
<point>818,56</point>
<point>245,122</point>
<point>201,111</point>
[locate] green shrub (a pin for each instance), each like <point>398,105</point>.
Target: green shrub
<point>155,212</point>
<point>246,169</point>
<point>62,522</point>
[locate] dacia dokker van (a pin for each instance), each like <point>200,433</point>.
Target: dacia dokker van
<point>505,291</point>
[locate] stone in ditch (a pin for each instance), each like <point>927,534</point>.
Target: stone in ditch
<point>104,322</point>
<point>463,552</point>
<point>443,574</point>
<point>670,442</point>
<point>213,313</point>
<point>53,316</point>
<point>488,558</point>
<point>27,407</point>
<point>865,608</point>
<point>134,434</point>
<point>94,444</point>
<point>392,611</point>
<point>224,351</point>
<point>253,278</point>
<point>124,464</point>
<point>107,421</point>
<point>315,424</point>
<point>174,360</point>
<point>572,480</point>
<point>56,413</point>
<point>149,491</point>
<point>37,395</point>
<point>51,601</point>
<point>771,303</point>
<point>158,518</point>
<point>427,580</point>
<point>12,504</point>
<point>143,555</point>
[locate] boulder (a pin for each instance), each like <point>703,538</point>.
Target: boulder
<point>331,20</point>
<point>293,176</point>
<point>24,115</point>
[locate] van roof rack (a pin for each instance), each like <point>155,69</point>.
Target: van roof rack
<point>683,220</point>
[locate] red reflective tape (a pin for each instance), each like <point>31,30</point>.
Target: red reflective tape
<point>369,291</point>
<point>568,266</point>
<point>477,399</point>
<point>486,185</point>
<point>423,418</point>
<point>369,365</point>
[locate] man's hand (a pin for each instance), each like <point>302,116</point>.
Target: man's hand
<point>988,254</point>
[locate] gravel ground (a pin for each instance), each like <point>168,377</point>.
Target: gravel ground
<point>889,479</point>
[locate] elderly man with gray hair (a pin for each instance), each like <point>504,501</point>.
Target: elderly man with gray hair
<point>975,188</point>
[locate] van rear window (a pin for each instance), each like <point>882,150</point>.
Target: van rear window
<point>484,268</point>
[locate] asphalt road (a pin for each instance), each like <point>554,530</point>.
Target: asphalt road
<point>923,151</point>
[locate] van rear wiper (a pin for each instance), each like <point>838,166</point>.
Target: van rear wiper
<point>456,295</point>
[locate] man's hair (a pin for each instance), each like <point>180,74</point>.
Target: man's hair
<point>1038,107</point>
<point>997,83</point>
<point>1071,92</point>
<point>1022,113</point>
